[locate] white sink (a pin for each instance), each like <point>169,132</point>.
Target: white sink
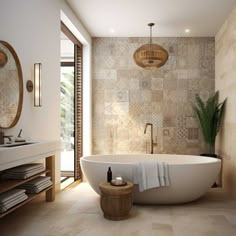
<point>15,154</point>
<point>15,144</point>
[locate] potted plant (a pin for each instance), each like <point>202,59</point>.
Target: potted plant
<point>210,115</point>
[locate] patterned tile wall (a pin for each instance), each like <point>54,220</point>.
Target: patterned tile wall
<point>126,97</point>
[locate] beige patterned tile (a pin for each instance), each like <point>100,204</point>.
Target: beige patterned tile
<point>134,83</point>
<point>145,83</point>
<point>120,108</point>
<point>135,96</point>
<point>157,83</point>
<point>170,96</point>
<point>182,84</point>
<point>121,95</point>
<point>157,96</point>
<point>170,84</point>
<point>193,84</point>
<point>146,95</point>
<point>134,108</point>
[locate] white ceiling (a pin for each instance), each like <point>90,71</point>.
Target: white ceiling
<point>129,18</point>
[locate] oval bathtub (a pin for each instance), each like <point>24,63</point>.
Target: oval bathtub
<point>190,176</point>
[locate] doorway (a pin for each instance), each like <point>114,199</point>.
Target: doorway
<point>71,107</point>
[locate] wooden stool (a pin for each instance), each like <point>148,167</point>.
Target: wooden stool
<point>116,201</point>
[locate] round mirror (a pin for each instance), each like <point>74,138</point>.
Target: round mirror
<point>11,86</point>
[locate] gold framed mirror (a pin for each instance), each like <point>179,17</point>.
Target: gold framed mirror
<point>11,86</point>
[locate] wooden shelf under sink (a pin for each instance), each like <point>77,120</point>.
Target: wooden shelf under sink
<point>7,184</point>
<point>30,197</point>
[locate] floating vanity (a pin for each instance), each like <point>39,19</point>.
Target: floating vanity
<point>19,154</point>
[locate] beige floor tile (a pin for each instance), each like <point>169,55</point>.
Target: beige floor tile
<point>76,212</point>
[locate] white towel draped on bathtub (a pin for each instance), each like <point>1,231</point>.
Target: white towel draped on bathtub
<point>151,175</point>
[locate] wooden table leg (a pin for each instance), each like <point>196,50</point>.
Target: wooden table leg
<point>50,165</point>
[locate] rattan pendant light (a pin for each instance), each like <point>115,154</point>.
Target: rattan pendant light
<point>150,56</point>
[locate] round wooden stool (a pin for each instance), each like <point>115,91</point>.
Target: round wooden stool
<point>116,201</point>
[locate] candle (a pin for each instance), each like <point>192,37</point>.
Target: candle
<point>119,180</point>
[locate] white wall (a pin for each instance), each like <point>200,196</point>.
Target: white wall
<point>225,70</point>
<point>32,27</point>
<point>33,30</point>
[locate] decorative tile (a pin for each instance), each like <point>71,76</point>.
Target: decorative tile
<point>121,96</point>
<point>191,122</point>
<point>170,109</point>
<point>181,121</point>
<point>146,95</point>
<point>182,134</point>
<point>134,108</point>
<point>122,84</point>
<point>170,95</point>
<point>125,97</point>
<point>157,107</point>
<point>181,96</point>
<point>145,83</point>
<point>108,108</point>
<point>169,121</point>
<point>193,133</point>
<point>206,84</point>
<point>157,120</point>
<point>157,96</point>
<point>182,84</point>
<point>146,108</point>
<point>108,95</point>
<point>134,83</point>
<point>193,84</point>
<point>120,108</point>
<point>135,96</point>
<point>157,83</point>
<point>182,74</point>
<point>191,96</point>
<point>170,84</point>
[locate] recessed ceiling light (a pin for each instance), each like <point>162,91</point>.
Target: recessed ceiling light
<point>187,30</point>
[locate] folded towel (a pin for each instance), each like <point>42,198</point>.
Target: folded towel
<point>37,181</point>
<point>37,185</point>
<point>25,168</point>
<point>166,174</point>
<point>161,173</point>
<point>39,188</point>
<point>12,175</point>
<point>151,175</point>
<point>11,194</point>
<point>13,203</point>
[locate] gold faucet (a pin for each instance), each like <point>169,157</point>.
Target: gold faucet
<point>152,142</point>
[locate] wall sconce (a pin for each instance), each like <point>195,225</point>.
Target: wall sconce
<point>37,86</point>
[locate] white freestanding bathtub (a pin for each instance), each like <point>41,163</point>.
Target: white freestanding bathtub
<point>190,176</point>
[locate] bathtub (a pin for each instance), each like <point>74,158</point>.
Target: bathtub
<point>190,176</point>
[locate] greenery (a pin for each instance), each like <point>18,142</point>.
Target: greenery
<point>210,115</point>
<point>67,109</point>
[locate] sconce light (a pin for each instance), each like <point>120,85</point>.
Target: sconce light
<point>37,86</point>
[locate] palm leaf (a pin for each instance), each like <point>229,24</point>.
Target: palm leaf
<point>209,115</point>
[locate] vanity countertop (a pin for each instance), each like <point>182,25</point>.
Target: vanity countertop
<point>18,155</point>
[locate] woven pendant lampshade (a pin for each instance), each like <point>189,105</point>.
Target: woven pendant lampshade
<point>150,56</point>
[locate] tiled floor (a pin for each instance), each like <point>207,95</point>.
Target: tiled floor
<point>76,211</point>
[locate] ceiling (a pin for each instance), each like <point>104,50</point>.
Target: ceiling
<point>129,18</point>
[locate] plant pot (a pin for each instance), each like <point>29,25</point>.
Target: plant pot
<point>210,155</point>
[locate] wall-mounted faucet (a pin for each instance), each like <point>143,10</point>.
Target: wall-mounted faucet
<point>2,136</point>
<point>152,142</point>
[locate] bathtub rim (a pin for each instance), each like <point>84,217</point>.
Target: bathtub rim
<point>211,160</point>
